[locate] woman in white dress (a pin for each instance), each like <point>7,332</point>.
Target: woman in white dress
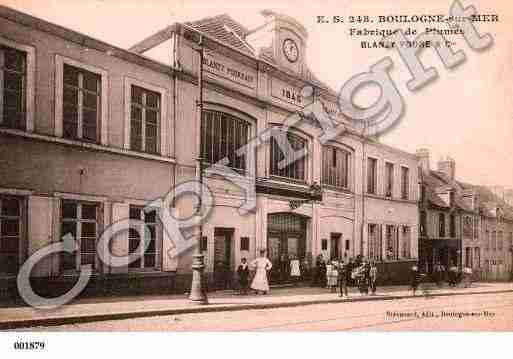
<point>295,271</point>
<point>262,265</point>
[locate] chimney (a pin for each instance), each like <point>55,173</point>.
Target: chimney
<point>448,167</point>
<point>423,155</point>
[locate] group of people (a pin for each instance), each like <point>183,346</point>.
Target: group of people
<point>339,274</point>
<point>331,274</point>
<point>358,273</point>
<point>454,276</point>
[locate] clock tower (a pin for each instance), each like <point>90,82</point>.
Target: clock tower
<point>282,41</point>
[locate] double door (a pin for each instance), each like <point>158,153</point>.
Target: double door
<point>282,247</point>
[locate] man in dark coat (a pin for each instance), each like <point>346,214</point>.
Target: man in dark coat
<point>342,278</point>
<point>415,278</point>
<point>349,270</point>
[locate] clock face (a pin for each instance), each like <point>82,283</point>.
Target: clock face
<point>290,50</point>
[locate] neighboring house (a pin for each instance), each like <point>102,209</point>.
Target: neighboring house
<point>462,224</point>
<point>91,133</point>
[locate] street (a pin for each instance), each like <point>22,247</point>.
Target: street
<point>484,312</point>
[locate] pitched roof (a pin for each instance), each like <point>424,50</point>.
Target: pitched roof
<point>487,201</point>
<point>225,29</point>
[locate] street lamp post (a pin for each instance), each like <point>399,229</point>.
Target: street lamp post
<point>198,293</point>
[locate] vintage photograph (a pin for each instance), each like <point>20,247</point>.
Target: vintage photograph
<point>275,166</point>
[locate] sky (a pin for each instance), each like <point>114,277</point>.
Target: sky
<point>465,114</point>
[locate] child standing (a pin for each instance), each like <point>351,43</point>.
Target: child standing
<point>331,276</point>
<point>243,273</point>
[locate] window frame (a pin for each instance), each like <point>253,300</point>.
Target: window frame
<point>21,228</point>
<point>405,183</point>
<point>215,114</point>
<point>452,225</point>
<point>59,97</point>
<point>406,242</point>
<point>374,177</point>
<point>163,123</point>
<point>389,179</point>
<point>393,240</point>
<point>305,159</point>
<point>325,161</point>
<point>374,243</point>
<point>442,230</point>
<point>78,221</point>
<point>158,240</point>
<point>29,88</point>
<point>80,104</point>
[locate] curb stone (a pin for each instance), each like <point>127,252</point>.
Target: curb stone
<point>198,308</point>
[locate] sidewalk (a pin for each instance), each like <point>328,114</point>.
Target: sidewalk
<point>97,309</point>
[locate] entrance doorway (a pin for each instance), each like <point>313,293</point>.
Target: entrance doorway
<point>286,238</point>
<point>223,266</point>
<point>335,240</point>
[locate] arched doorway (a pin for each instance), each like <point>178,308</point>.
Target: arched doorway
<point>286,237</point>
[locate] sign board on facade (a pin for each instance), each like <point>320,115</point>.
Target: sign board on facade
<point>229,70</point>
<point>288,93</point>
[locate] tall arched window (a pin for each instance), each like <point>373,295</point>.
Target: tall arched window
<point>296,167</point>
<point>221,136</point>
<point>335,167</point>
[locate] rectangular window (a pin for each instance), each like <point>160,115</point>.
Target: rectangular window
<point>324,244</point>
<point>146,258</point>
<point>371,175</point>
<point>423,223</point>
<point>477,257</point>
<point>494,241</point>
<point>467,227</point>
<point>221,136</point>
<point>295,168</point>
<point>476,228</point>
<point>335,167</point>
<point>244,243</point>
<point>81,110</point>
<point>374,236</point>
<point>500,241</point>
<point>80,220</point>
<point>452,226</point>
<point>10,234</point>
<point>204,244</point>
<point>405,182</point>
<point>389,179</point>
<point>144,120</point>
<point>13,83</point>
<point>406,245</point>
<point>441,224</point>
<point>392,242</point>
<point>468,257</point>
<point>487,240</point>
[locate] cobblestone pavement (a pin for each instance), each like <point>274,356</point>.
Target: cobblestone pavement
<point>484,312</point>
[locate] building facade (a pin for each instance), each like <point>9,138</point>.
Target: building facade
<point>462,224</point>
<point>90,134</point>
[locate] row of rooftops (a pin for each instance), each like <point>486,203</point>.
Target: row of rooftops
<point>222,29</point>
<point>232,36</point>
<point>443,191</point>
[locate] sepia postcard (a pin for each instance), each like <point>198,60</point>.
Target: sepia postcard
<point>278,166</point>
